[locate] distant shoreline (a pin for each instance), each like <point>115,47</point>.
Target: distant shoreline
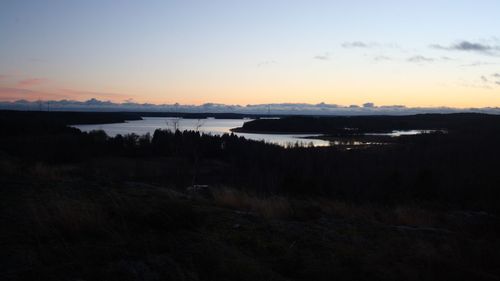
<point>244,131</point>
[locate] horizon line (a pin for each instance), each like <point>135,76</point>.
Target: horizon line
<point>104,102</point>
<point>368,108</point>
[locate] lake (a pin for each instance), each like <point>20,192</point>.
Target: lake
<point>207,126</point>
<point>399,133</point>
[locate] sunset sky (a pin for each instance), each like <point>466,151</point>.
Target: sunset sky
<point>414,53</point>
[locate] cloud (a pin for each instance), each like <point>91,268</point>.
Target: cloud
<point>91,94</point>
<point>482,82</point>
<point>368,45</point>
<point>468,47</point>
<point>368,108</point>
<point>3,76</point>
<point>357,44</point>
<point>7,93</point>
<point>31,82</point>
<point>420,59</point>
<point>14,93</point>
<point>445,58</point>
<point>478,63</point>
<point>326,105</point>
<point>381,58</point>
<point>322,57</point>
<point>266,63</point>
<point>486,82</point>
<point>496,76</point>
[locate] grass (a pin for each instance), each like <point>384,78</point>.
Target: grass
<point>91,231</point>
<point>274,207</point>
<point>281,207</point>
<point>67,232</point>
<point>74,229</point>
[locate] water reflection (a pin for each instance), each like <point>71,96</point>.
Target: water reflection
<point>399,133</point>
<point>207,126</point>
<point>214,126</point>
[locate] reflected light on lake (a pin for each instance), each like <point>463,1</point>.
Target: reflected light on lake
<point>206,126</point>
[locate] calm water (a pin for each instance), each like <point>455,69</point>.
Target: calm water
<point>399,133</point>
<point>207,126</point>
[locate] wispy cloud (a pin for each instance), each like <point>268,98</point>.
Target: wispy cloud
<point>420,59</point>
<point>382,58</point>
<point>478,63</point>
<point>369,45</point>
<point>266,63</point>
<point>325,56</point>
<point>15,93</point>
<point>31,81</point>
<point>7,93</point>
<point>90,94</point>
<point>468,46</point>
<point>496,77</point>
<point>445,58</point>
<point>484,81</point>
<point>358,44</point>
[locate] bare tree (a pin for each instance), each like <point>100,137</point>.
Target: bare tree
<point>174,123</point>
<point>199,124</point>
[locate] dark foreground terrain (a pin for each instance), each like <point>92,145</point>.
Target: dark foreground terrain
<point>182,206</point>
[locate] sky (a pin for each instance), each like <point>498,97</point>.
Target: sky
<point>413,53</point>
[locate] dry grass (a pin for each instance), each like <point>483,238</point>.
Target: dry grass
<point>69,215</point>
<point>346,210</point>
<point>282,207</point>
<point>401,215</point>
<point>69,219</point>
<point>270,207</point>
<point>45,172</point>
<point>414,216</point>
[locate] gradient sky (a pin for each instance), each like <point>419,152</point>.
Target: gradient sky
<point>414,53</point>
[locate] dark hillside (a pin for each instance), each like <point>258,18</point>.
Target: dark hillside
<point>186,206</point>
